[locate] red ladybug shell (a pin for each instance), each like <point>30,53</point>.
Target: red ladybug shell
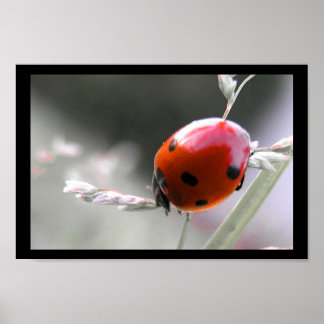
<point>201,164</point>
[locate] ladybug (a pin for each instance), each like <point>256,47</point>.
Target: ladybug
<point>200,165</point>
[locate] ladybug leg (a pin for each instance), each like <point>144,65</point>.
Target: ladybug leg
<point>160,198</point>
<point>240,184</point>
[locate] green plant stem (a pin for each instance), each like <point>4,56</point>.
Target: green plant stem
<point>183,232</point>
<point>228,233</point>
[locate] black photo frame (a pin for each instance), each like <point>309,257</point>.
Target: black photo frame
<point>23,164</point>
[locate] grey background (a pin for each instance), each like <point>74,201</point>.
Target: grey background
<point>102,32</point>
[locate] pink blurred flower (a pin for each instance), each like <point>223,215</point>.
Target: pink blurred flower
<point>61,147</point>
<point>37,170</point>
<point>45,156</point>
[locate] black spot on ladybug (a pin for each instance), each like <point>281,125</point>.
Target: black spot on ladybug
<point>233,171</point>
<point>201,202</point>
<point>189,179</point>
<point>161,179</point>
<point>173,144</point>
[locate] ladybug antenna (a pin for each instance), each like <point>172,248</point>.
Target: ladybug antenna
<point>231,99</point>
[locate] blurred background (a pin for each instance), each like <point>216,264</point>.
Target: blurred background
<point>106,129</point>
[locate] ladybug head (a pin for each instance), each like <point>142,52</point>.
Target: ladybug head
<point>160,198</point>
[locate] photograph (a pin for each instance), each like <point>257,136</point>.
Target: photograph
<point>160,161</point>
